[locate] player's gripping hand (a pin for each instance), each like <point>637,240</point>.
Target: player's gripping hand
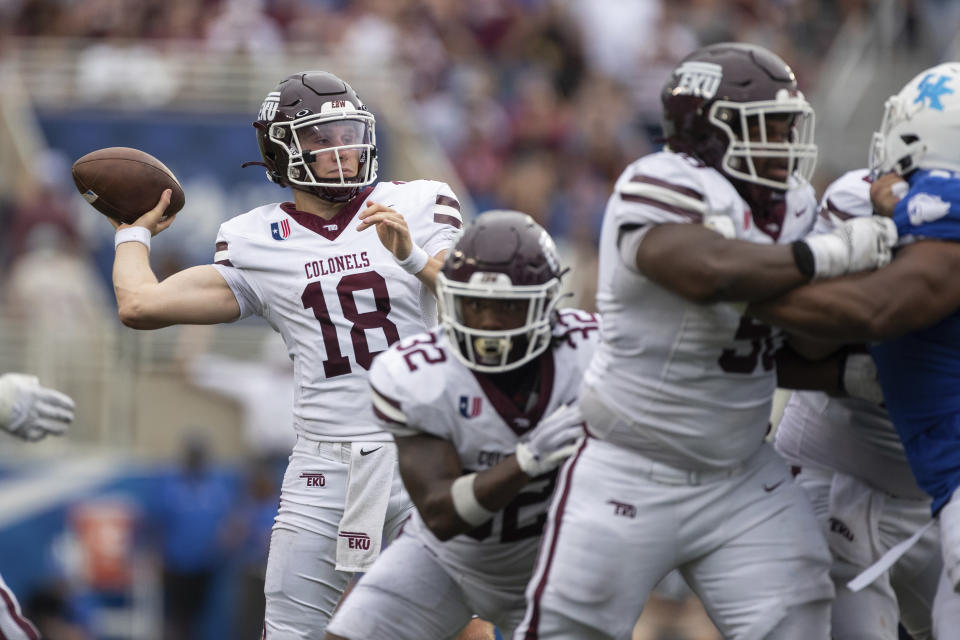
<point>859,378</point>
<point>858,244</point>
<point>886,191</point>
<point>391,228</point>
<point>154,220</point>
<point>31,411</point>
<point>551,442</point>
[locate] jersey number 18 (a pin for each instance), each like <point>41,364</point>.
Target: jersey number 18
<point>336,363</point>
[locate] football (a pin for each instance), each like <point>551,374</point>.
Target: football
<point>124,183</point>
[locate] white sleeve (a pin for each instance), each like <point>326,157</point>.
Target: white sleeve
<point>447,223</point>
<point>847,197</point>
<point>251,303</point>
<point>387,408</point>
<point>628,243</point>
<point>651,192</point>
<point>244,293</point>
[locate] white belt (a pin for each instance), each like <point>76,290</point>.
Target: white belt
<point>606,424</point>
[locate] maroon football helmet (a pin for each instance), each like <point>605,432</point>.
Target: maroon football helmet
<point>503,255</point>
<point>720,105</point>
<point>309,115</point>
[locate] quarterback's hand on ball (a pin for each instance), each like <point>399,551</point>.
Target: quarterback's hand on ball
<point>154,220</point>
<point>31,411</point>
<point>858,244</point>
<point>391,227</point>
<point>551,442</point>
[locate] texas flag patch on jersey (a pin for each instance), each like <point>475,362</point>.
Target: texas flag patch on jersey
<point>470,406</point>
<point>280,230</point>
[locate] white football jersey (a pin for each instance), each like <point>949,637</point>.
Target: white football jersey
<point>336,295</point>
<point>697,379</point>
<point>849,435</point>
<point>420,387</point>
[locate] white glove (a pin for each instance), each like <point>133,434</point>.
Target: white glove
<point>551,442</point>
<point>858,244</point>
<point>860,378</point>
<point>30,411</point>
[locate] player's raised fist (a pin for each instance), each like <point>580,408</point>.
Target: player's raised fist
<point>124,183</point>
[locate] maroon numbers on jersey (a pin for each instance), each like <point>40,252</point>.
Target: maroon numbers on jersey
<point>538,492</point>
<point>336,363</point>
<point>760,343</point>
<point>423,346</point>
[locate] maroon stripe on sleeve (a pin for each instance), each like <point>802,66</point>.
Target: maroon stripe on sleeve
<point>25,625</point>
<point>225,263</point>
<point>439,218</point>
<point>382,416</point>
<point>448,201</point>
<point>532,631</point>
<point>687,191</point>
<point>835,210</point>
<point>393,403</point>
<point>692,216</point>
<point>221,246</point>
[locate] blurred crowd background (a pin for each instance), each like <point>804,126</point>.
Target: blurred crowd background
<point>169,476</point>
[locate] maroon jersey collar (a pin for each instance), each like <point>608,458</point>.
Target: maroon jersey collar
<point>329,229</point>
<point>520,422</point>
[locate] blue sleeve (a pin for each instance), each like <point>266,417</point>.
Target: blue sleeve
<point>931,208</point>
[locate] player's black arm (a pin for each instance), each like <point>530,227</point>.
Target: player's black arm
<point>429,465</point>
<point>918,289</point>
<point>704,267</point>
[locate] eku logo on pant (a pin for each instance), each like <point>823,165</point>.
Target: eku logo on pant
<point>314,479</point>
<point>280,230</point>
<point>470,406</point>
<point>356,540</point>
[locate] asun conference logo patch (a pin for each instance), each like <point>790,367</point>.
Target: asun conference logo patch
<point>470,406</point>
<point>280,230</point>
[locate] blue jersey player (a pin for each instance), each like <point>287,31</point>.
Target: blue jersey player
<point>911,308</point>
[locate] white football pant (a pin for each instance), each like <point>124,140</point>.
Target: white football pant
<point>859,533</point>
<point>745,539</point>
<point>302,587</point>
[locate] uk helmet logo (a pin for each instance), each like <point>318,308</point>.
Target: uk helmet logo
<point>280,230</point>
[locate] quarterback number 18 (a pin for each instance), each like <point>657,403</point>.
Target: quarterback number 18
<point>336,363</point>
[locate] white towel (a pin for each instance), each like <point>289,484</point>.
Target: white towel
<point>369,484</point>
<point>888,559</point>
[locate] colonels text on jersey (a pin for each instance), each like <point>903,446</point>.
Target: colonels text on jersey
<point>336,295</point>
<point>419,387</point>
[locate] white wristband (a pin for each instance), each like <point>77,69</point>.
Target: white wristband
<point>132,234</point>
<point>415,262</point>
<point>465,501</point>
